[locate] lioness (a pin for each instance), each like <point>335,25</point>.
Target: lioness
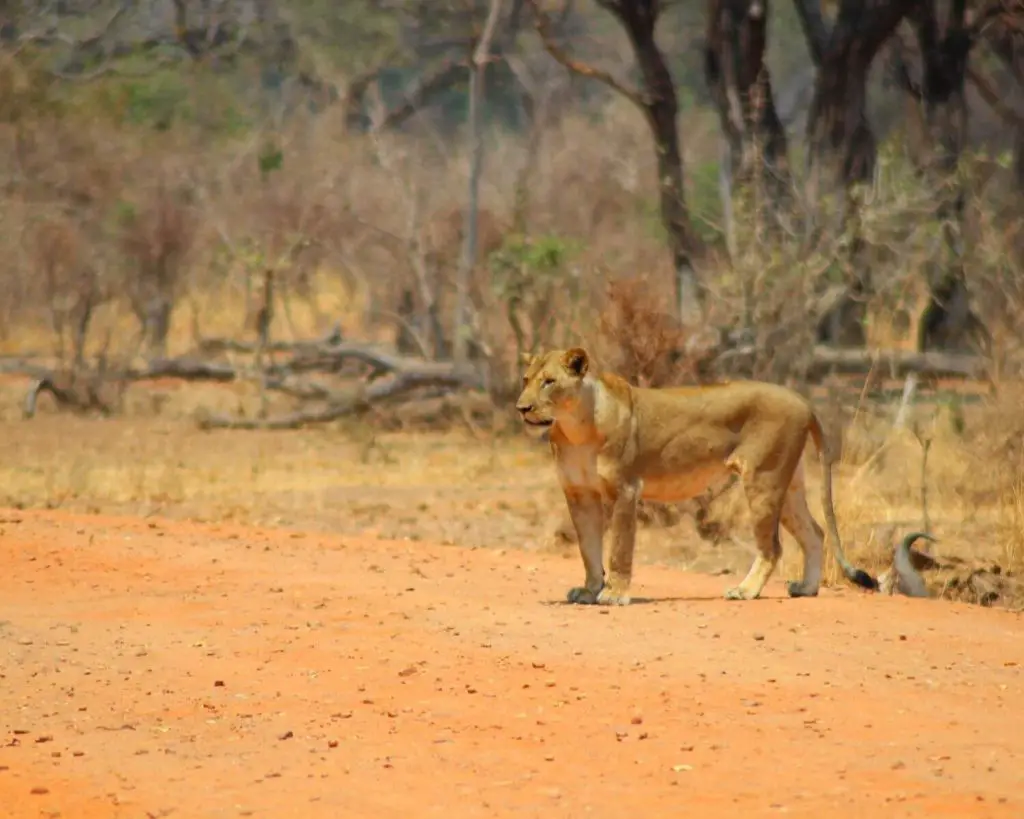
<point>616,442</point>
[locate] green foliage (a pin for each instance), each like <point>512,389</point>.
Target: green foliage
<point>270,159</point>
<point>125,213</point>
<point>524,262</point>
<point>159,101</point>
<point>543,253</point>
<point>529,275</point>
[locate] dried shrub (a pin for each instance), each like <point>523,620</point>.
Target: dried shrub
<point>71,287</point>
<point>156,237</point>
<point>640,340</point>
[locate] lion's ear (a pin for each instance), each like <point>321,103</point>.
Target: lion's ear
<point>576,361</point>
<point>525,360</point>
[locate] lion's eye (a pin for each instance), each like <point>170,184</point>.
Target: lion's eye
<point>548,382</point>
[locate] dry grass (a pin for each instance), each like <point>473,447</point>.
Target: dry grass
<point>454,487</point>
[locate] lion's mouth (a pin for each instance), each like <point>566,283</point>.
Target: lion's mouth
<point>538,423</point>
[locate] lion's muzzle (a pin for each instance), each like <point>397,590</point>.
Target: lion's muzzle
<point>526,413</point>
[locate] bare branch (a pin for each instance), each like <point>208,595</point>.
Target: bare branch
<point>545,30</point>
<point>985,90</point>
<point>1007,12</point>
<point>439,79</point>
<point>115,70</point>
<point>482,52</point>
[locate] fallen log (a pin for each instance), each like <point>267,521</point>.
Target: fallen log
<point>71,391</point>
<point>897,363</point>
<point>826,360</point>
<point>184,369</point>
<point>216,346</point>
<point>406,377</point>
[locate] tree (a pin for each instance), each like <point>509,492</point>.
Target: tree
<point>945,44</point>
<point>841,146</point>
<point>468,256</point>
<point>755,148</point>
<point>658,102</point>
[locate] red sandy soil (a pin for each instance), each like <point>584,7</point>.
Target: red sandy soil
<point>155,669</point>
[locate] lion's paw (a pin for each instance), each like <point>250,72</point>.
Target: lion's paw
<point>739,593</point>
<point>582,596</point>
<point>801,589</point>
<point>610,597</point>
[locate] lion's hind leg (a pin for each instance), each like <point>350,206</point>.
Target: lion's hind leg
<point>765,501</point>
<point>796,518</point>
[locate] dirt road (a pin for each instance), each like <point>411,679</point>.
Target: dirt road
<point>157,669</point>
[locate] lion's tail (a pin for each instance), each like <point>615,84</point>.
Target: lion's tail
<point>856,576</point>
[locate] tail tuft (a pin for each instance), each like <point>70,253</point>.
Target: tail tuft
<point>861,578</point>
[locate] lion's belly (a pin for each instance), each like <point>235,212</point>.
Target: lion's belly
<point>668,488</point>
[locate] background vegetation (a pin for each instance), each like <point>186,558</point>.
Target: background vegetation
<point>372,207</point>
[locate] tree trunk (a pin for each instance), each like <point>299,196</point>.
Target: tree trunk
<point>755,147</point>
<point>657,100</point>
<point>841,146</point>
<point>460,329</point>
<point>661,108</point>
<point>948,322</point>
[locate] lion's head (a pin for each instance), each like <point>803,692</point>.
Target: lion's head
<point>552,385</point>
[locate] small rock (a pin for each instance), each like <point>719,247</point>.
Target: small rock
<point>39,790</point>
<point>286,735</point>
<point>332,743</point>
<point>682,768</point>
<point>758,637</point>
<point>636,719</point>
<point>218,683</point>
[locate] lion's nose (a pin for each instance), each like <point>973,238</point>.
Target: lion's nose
<point>524,408</point>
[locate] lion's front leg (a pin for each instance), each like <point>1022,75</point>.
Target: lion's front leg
<point>620,561</point>
<point>587,515</point>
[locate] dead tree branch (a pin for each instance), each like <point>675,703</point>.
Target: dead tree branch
<point>404,375</point>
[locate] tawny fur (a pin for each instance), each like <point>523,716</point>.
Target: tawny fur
<point>617,443</point>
